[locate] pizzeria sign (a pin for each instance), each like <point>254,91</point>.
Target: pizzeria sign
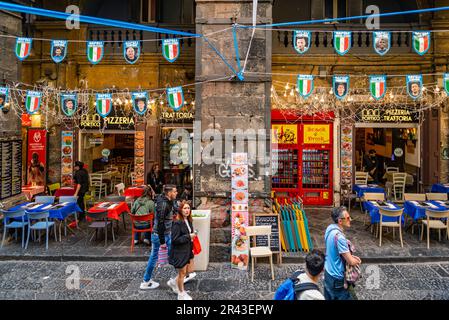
<point>393,115</point>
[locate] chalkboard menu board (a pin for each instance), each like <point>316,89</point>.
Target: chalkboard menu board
<point>10,168</point>
<point>268,220</point>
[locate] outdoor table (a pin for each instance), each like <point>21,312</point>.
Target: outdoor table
<point>408,178</point>
<point>30,191</point>
<point>114,209</point>
<point>440,188</point>
<point>58,211</point>
<point>417,211</point>
<point>360,189</point>
<point>134,192</point>
<point>373,210</point>
<point>65,191</point>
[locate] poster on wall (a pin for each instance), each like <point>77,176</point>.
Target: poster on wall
<point>346,153</point>
<point>66,158</point>
<point>139,156</point>
<point>37,157</point>
<point>239,216</point>
<point>10,168</point>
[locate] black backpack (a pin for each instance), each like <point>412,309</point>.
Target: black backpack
<point>301,287</point>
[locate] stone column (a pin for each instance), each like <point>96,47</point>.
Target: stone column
<point>230,104</point>
<point>441,62</point>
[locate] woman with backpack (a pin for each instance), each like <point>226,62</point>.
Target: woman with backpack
<point>181,254</point>
<point>142,206</point>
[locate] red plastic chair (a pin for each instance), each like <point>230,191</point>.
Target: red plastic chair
<point>143,218</point>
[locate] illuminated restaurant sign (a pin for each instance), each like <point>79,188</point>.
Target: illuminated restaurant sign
<point>112,121</point>
<point>178,116</point>
<point>395,115</point>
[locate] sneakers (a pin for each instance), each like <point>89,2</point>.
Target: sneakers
<point>189,277</point>
<point>184,296</point>
<point>149,285</point>
<point>172,284</point>
<point>146,241</point>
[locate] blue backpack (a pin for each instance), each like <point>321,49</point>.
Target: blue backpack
<point>290,288</point>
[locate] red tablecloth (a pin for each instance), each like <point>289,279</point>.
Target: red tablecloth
<point>133,192</point>
<point>65,191</point>
<point>114,213</point>
<point>30,192</point>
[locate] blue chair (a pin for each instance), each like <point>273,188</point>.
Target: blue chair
<point>7,215</point>
<point>70,199</point>
<point>41,224</point>
<point>44,199</point>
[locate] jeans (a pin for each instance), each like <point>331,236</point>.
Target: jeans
<point>146,235</point>
<point>334,288</point>
<point>155,244</point>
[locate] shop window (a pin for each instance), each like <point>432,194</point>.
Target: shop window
<point>176,11</point>
<point>335,9</point>
<point>394,6</point>
<point>291,10</point>
<point>148,11</point>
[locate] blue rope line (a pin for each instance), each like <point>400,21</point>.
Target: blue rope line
<point>93,20</point>
<point>347,18</point>
<point>223,58</point>
<point>236,46</point>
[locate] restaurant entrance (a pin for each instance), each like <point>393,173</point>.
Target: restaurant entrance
<point>383,149</point>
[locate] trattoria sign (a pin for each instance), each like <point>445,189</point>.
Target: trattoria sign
<point>95,121</point>
<point>177,116</point>
<point>393,115</point>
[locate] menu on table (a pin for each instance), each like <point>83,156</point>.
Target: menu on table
<point>10,168</point>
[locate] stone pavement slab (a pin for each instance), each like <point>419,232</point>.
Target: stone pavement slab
<point>48,281</point>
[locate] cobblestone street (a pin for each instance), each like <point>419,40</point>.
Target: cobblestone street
<point>32,280</point>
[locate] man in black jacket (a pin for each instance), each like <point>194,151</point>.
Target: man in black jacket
<point>161,236</point>
<point>81,179</point>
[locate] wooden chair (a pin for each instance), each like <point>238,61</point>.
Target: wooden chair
<point>436,196</point>
<point>100,220</point>
<point>53,187</point>
<point>393,224</point>
<point>347,194</point>
<point>392,169</point>
<point>120,188</point>
<point>142,218</point>
<point>399,186</point>
<point>361,177</point>
<point>414,197</point>
<point>371,196</point>
<point>100,187</point>
<point>433,221</point>
<point>259,252</point>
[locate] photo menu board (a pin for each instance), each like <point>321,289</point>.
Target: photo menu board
<point>240,241</point>
<point>10,168</point>
<point>66,158</point>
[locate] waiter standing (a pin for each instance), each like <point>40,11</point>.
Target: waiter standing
<point>81,179</point>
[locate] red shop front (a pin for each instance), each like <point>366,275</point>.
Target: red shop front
<point>302,149</point>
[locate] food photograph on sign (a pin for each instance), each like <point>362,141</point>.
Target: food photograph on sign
<point>239,171</point>
<point>239,196</point>
<point>239,158</point>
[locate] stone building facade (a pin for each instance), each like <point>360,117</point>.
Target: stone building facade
<point>233,104</point>
<point>10,71</point>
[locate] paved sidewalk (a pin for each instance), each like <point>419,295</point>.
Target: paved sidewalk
<point>74,247</point>
<point>120,281</point>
